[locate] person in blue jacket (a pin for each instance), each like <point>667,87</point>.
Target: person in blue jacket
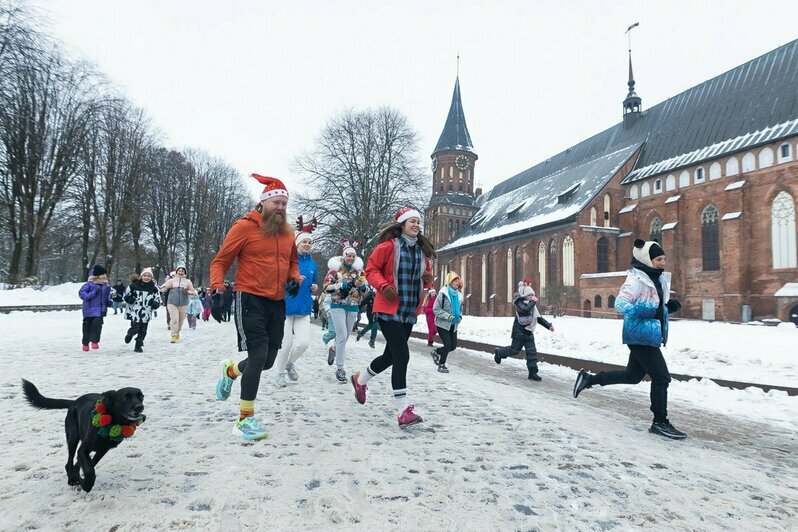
<point>298,308</point>
<point>645,302</point>
<point>96,296</point>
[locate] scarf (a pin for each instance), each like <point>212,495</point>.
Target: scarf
<point>409,240</point>
<point>454,298</point>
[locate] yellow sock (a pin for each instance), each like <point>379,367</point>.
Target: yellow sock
<point>233,372</point>
<point>247,409</point>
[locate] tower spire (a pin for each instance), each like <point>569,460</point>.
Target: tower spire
<point>633,102</point>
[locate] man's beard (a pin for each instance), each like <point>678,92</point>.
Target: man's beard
<point>273,224</point>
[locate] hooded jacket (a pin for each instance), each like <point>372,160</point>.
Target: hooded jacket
<point>638,301</point>
<point>302,303</point>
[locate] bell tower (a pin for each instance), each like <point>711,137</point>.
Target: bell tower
<point>453,159</point>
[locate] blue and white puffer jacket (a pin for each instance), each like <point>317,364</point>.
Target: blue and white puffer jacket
<point>638,302</point>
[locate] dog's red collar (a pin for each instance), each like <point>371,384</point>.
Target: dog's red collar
<point>102,420</point>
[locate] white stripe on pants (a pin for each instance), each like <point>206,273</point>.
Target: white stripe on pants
<point>344,320</point>
<point>296,338</point>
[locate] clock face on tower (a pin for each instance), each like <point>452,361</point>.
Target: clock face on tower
<point>434,164</point>
<point>461,162</point>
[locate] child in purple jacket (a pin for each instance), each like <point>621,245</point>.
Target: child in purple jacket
<point>96,296</point>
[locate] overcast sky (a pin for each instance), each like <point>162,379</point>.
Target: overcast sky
<point>253,82</point>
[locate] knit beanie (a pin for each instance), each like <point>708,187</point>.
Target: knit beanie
<point>146,270</point>
<point>526,291</point>
<point>646,252</point>
<point>98,270</point>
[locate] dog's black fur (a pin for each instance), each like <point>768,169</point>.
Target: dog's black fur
<point>125,406</point>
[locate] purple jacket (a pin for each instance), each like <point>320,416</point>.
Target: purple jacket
<point>96,299</point>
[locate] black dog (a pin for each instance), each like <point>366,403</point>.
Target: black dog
<point>99,422</point>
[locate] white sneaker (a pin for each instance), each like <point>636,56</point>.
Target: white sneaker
<point>292,374</point>
<point>279,381</point>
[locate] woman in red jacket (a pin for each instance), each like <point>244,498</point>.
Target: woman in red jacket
<point>399,269</point>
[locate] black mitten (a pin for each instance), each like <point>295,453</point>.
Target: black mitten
<point>217,306</point>
<point>673,305</point>
<point>292,287</point>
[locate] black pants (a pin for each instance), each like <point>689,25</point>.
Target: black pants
<point>259,324</point>
<point>139,330</point>
<point>449,339</point>
<point>396,352</point>
<point>527,343</point>
<point>643,360</point>
<point>92,329</point>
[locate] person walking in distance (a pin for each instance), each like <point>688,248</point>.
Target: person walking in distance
<point>142,299</point>
<point>645,302</point>
<point>426,307</point>
<point>268,268</point>
<point>344,284</point>
<point>372,327</point>
<point>399,269</point>
<point>296,333</point>
<point>448,314</point>
<point>117,293</point>
<point>178,290</point>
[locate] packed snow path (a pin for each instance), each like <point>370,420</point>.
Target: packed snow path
<point>496,452</point>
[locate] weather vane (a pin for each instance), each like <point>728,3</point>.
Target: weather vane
<point>629,32</point>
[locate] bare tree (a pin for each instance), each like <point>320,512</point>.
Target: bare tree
<point>363,167</point>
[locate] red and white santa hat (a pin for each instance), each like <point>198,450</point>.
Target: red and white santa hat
<point>274,187</point>
<point>405,213</point>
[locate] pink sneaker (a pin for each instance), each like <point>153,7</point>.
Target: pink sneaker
<point>95,345</point>
<point>360,389</point>
<point>407,417</point>
<point>85,348</point>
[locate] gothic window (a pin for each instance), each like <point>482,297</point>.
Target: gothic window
<point>597,302</point>
<point>684,179</point>
<point>782,231</point>
<point>552,269</point>
<point>606,210</point>
<point>710,239</point>
<point>655,230</point>
<point>568,261</point>
<point>542,264</point>
<point>714,171</point>
<point>633,192</point>
<point>484,279</point>
<point>491,260</point>
<point>602,255</point>
<point>519,264</point>
<point>611,302</point>
<point>749,162</point>
<point>645,190</point>
<point>732,166</point>
<point>510,284</point>
<point>765,158</point>
<point>593,219</point>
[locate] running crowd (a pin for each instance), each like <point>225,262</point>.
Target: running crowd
<point>276,291</point>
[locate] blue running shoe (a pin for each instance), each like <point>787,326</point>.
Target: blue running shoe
<point>250,429</point>
<point>225,383</point>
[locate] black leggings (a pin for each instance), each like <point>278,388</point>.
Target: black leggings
<point>138,329</point>
<point>643,359</point>
<point>259,324</point>
<point>396,352</point>
<point>92,329</point>
<point>449,339</point>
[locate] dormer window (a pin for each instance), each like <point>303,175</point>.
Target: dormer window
<point>568,194</point>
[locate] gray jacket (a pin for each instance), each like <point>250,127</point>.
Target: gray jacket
<point>443,310</point>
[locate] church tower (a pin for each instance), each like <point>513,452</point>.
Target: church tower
<point>453,194</point>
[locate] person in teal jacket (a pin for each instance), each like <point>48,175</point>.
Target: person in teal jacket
<point>645,302</point>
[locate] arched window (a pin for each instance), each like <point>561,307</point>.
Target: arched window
<point>519,264</point>
<point>597,302</point>
<point>765,157</point>
<point>732,166</point>
<point>714,171</point>
<point>552,269</point>
<point>632,192</point>
<point>491,260</point>
<point>611,302</point>
<point>484,278</point>
<point>510,283</point>
<point>684,179</point>
<point>749,162</point>
<point>655,230</point>
<point>568,261</point>
<point>542,264</point>
<point>593,217</point>
<point>782,231</point>
<point>607,211</point>
<point>670,182</point>
<point>450,225</point>
<point>602,255</point>
<point>645,190</point>
<point>710,239</point>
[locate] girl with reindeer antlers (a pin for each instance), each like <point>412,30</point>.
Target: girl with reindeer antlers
<point>296,332</point>
<point>344,284</point>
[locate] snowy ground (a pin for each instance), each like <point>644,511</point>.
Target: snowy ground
<point>496,452</point>
<point>62,294</point>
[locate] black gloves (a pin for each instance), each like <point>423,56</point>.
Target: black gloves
<point>673,305</point>
<point>217,306</point>
<point>292,287</point>
<point>155,305</point>
<point>658,313</point>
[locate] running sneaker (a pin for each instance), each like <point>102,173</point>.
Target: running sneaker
<point>442,368</point>
<point>664,428</point>
<point>360,389</point>
<point>435,357</point>
<point>250,429</point>
<point>331,356</point>
<point>408,417</point>
<point>292,374</point>
<point>496,358</point>
<point>340,374</point>
<point>371,344</point>
<point>279,381</point>
<point>582,382</point>
<point>225,383</point>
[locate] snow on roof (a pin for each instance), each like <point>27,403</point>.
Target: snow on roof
<point>788,290</point>
<point>669,226</point>
<point>735,185</point>
<point>731,215</point>
<point>740,142</point>
<point>628,208</point>
<point>673,198</point>
<point>536,203</point>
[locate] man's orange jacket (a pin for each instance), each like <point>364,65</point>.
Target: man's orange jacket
<point>264,263</point>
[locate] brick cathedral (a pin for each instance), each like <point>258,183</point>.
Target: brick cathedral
<point>711,173</point>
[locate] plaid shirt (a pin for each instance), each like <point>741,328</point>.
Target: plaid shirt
<point>411,261</point>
